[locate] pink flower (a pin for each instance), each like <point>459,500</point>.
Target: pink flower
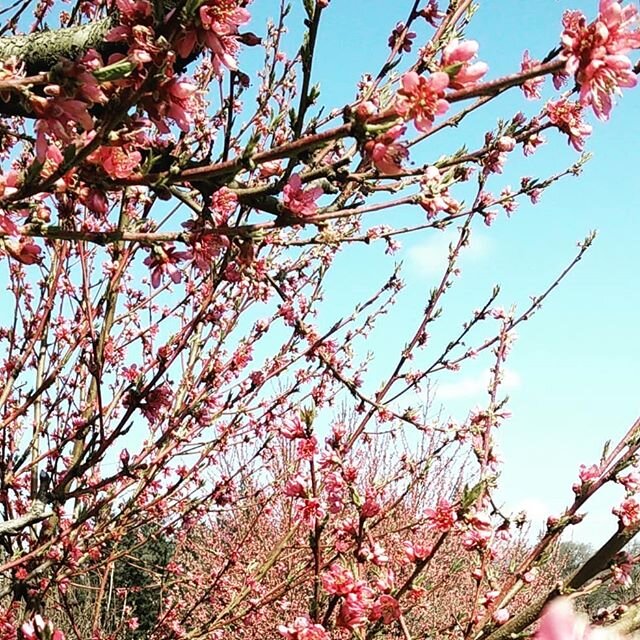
<point>631,482</point>
<point>456,61</point>
<point>589,474</point>
<point>310,510</point>
<point>174,99</point>
<point>387,608</point>
<point>371,506</point>
<point>628,512</point>
<point>387,154</point>
<point>355,610</point>
<point>163,261</point>
<point>479,533</point>
<point>216,27</point>
<point>295,488</point>
<point>595,53</point>
<point>422,99</point>
<point>567,116</point>
<point>531,87</point>
<point>22,249</point>
<point>303,629</point>
<point>307,448</point>
<point>155,402</point>
<point>117,161</point>
<point>621,569</point>
<point>435,195</point>
<point>299,201</point>
<point>37,628</point>
<point>338,580</point>
<point>501,615</point>
<point>292,428</point>
<point>416,550</point>
<point>602,79</point>
<point>442,518</point>
<point>401,36</point>
<point>58,118</point>
<point>559,622</point>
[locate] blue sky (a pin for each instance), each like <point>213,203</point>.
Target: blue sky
<point>573,373</point>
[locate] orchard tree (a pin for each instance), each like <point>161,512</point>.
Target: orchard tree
<point>192,443</point>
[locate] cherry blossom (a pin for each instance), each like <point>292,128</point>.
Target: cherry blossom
<point>298,200</point>
<point>386,153</point>
<point>422,99</point>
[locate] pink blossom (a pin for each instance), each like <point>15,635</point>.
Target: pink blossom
<point>8,226</point>
<point>117,161</point>
<point>456,61</point>
<point>630,481</point>
<point>310,510</point>
<point>478,533</point>
<point>501,615</point>
<point>174,99</point>
<point>216,27</point>
<point>567,116</point>
<point>163,261</point>
<point>39,628</point>
<point>371,506</point>
<point>595,53</point>
<point>387,608</point>
<point>155,403</point>
<point>422,99</point>
<point>531,88</point>
<point>534,141</point>
<point>401,36</point>
<point>443,517</point>
<point>435,194</point>
<point>303,629</point>
<point>338,581</point>
<point>135,10</point>
<point>387,154</point>
<point>295,488</point>
<point>298,200</point>
<point>22,249</point>
<point>58,118</point>
<point>628,512</point>
<point>307,448</point>
<point>292,428</point>
<point>560,622</point>
<point>621,569</point>
<point>356,607</point>
<point>416,551</point>
<point>602,79</point>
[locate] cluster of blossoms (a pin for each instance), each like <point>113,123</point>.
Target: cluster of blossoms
<point>596,53</point>
<point>359,603</point>
<point>421,99</point>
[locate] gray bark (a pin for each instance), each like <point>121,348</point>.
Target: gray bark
<point>35,514</point>
<point>41,51</point>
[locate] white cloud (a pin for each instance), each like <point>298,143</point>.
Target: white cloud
<point>471,386</point>
<point>430,257</point>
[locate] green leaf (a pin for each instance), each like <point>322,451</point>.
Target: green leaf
<point>116,71</point>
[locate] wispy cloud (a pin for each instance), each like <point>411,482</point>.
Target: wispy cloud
<point>471,386</point>
<point>430,257</point>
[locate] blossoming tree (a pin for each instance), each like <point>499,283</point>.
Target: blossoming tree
<point>167,224</point>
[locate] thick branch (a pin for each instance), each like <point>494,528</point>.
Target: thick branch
<point>41,51</point>
<point>16,525</point>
